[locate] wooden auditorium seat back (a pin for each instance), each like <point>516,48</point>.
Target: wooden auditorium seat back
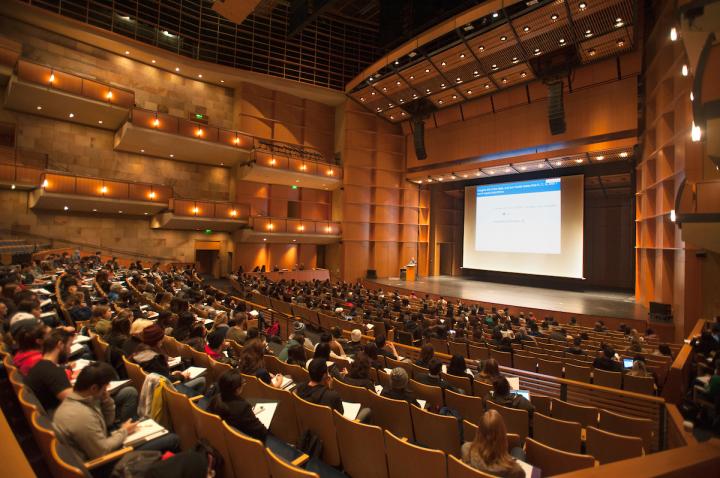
<point>392,415</point>
<point>352,393</point>
<point>210,427</point>
<point>457,469</point>
<point>586,416</point>
<point>516,421</point>
<point>552,461</point>
<point>439,432</point>
<point>605,378</point>
<point>362,448</point>
<point>319,420</point>
<point>135,373</point>
<point>643,428</point>
<point>279,468</point>
<point>560,434</point>
<point>608,447</point>
<point>470,408</point>
<point>644,385</point>
<point>247,454</point>
<point>181,417</point>
<point>431,394</point>
<point>405,459</point>
<point>284,424</point>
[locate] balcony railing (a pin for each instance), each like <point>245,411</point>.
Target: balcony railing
<point>102,188</point>
<point>74,84</point>
<point>297,164</point>
<point>210,209</point>
<point>698,201</point>
<point>190,129</point>
<point>293,226</point>
<point>21,167</point>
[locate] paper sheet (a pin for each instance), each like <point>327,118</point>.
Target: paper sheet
<point>265,412</point>
<point>146,430</point>
<point>174,361</point>
<point>287,382</point>
<point>81,339</point>
<point>514,382</point>
<point>41,291</point>
<point>117,385</point>
<point>530,471</point>
<point>195,372</point>
<point>76,348</point>
<point>422,403</point>
<point>378,389</point>
<point>351,410</point>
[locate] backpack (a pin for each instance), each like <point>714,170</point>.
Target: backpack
<point>310,444</point>
<point>135,464</point>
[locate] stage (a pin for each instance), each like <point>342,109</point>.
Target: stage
<point>592,305</point>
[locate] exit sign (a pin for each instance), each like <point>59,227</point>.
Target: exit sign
<point>199,117</point>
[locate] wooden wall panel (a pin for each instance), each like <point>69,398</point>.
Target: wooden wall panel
<point>307,255</point>
<point>387,214</point>
<point>356,231</point>
<point>356,259</point>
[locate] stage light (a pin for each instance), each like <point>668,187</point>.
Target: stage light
<point>109,95</point>
<point>152,195</point>
<point>695,133</point>
<point>673,34</point>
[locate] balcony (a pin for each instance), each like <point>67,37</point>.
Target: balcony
<point>292,165</point>
<point>186,214</point>
<point>165,136</point>
<point>72,194</point>
<point>42,90</point>
<point>280,230</point>
<point>21,169</point>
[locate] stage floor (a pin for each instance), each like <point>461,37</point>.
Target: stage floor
<point>620,305</point>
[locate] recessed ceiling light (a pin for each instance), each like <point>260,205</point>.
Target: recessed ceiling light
<point>537,51</point>
<point>494,67</point>
<point>582,5</point>
<point>39,108</point>
<point>523,74</point>
<point>684,70</point>
<point>384,88</point>
<point>222,81</point>
<point>427,90</point>
<point>440,102</point>
<point>487,85</point>
<point>600,158</point>
<point>145,213</point>
<point>458,79</point>
<point>71,115</point>
<point>172,155</point>
<point>412,77</point>
<point>673,34</point>
<point>397,83</point>
<point>100,122</point>
<point>624,154</point>
<point>177,68</point>
<point>12,186</point>
<point>588,33</point>
<point>65,208</point>
<point>443,64</point>
<point>372,93</point>
<point>119,212</point>
<point>554,16</point>
<point>620,43</point>
<point>578,161</point>
<point>526,29</point>
<point>440,179</point>
<point>427,70</point>
<point>476,73</point>
<point>492,172</point>
<point>523,168</point>
<point>469,92</point>
<point>94,210</point>
<point>503,38</point>
<point>562,40</point>
<point>557,163</point>
<point>541,165</point>
<point>464,175</point>
<point>442,85</point>
<point>504,80</point>
<point>152,61</point>
<point>127,52</point>
<point>495,14</point>
<point>591,52</point>
<point>481,48</point>
<point>392,117</point>
<point>199,75</point>
<point>462,55</point>
<point>264,239</point>
<point>454,97</point>
<point>397,62</point>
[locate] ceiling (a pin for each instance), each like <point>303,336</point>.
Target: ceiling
<point>498,51</point>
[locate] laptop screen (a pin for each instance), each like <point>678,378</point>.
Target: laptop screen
<point>523,393</point>
<point>627,363</point>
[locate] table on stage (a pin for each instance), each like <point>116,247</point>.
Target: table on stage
<point>306,275</point>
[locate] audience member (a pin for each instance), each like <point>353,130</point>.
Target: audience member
<point>488,452</point>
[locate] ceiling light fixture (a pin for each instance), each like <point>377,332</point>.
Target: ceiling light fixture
<point>562,41</point>
<point>65,208</point>
<point>695,133</point>
<point>591,52</point>
<point>504,80</point>
<point>487,86</point>
<point>582,5</point>
<point>600,158</point>
<point>526,29</point>
<point>109,95</point>
<point>503,38</point>
<point>71,115</point>
<point>578,161</point>
<point>177,68</point>
<point>454,97</point>
<point>462,55</point>
<point>152,61</point>
<point>523,74</point>
<point>558,163</point>
<point>619,22</point>
<point>39,108</point>
<point>588,33</point>
<point>199,75</point>
<point>692,96</point>
<point>172,155</point>
<point>554,16</point>
<point>541,165</point>
<point>684,70</point>
<point>100,121</point>
<point>127,52</point>
<point>624,154</point>
<point>427,70</point>
<point>621,43</point>
<point>469,92</point>
<point>481,48</point>
<point>673,34</point>
<point>52,77</point>
<point>495,14</point>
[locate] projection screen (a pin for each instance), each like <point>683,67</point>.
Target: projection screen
<point>527,227</point>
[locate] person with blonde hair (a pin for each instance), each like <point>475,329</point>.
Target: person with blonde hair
<point>488,452</point>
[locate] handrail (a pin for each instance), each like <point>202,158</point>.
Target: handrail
<point>678,380</point>
<point>295,226</point>
<point>300,164</point>
<point>209,208</point>
<point>57,79</point>
<point>64,183</point>
<point>79,75</point>
<point>20,157</point>
<point>676,435</point>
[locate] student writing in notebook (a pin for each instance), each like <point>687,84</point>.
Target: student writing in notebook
<point>233,408</point>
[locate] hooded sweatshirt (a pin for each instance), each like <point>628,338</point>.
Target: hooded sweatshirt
<point>26,360</point>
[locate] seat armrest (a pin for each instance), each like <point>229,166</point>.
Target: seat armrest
<point>301,460</point>
<point>110,457</point>
<point>196,398</point>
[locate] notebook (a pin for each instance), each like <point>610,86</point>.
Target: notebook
<point>195,372</point>
<point>422,403</point>
<point>81,339</point>
<point>378,389</point>
<point>76,348</point>
<point>174,361</point>
<point>41,291</point>
<point>287,382</point>
<point>530,471</point>
<point>116,385</point>
<point>146,430</point>
<point>265,411</point>
<point>351,410</point>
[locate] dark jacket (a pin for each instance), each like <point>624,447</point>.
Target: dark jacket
<point>604,363</point>
<point>400,394</point>
<point>239,414</point>
<point>359,382</point>
<point>320,395</point>
<point>511,400</point>
<point>436,381</point>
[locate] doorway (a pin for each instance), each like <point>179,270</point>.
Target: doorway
<point>207,262</point>
<point>446,259</point>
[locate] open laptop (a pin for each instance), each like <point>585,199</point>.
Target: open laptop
<point>627,363</point>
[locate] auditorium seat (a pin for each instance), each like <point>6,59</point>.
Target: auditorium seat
<point>560,434</point>
<point>555,462</point>
<point>406,459</point>
<point>644,385</point>
<point>435,431</point>
<point>553,368</point>
<point>392,363</point>
<point>361,448</point>
<point>431,394</point>
<point>607,447</point>
<point>541,403</point>
<point>16,380</point>
<point>392,415</point>
<point>215,370</point>
<point>584,415</point>
<point>504,359</point>
<point>470,408</point>
<point>246,454</point>
<point>481,389</point>
<point>457,469</point>
<point>418,371</point>
<point>478,352</point>
<point>351,393</point>
<point>461,383</point>
<point>181,417</point>
<point>581,373</point>
<point>210,428</point>
<point>516,421</point>
<point>135,373</point>
<point>605,378</point>
<point>440,345</point>
<point>470,430</point>
<point>525,362</point>
<point>99,348</point>
<point>279,468</point>
<point>29,403</point>
<point>284,424</point>
<point>629,426</point>
<point>319,420</point>
<point>274,365</point>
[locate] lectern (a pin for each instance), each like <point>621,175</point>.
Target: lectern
<point>410,273</point>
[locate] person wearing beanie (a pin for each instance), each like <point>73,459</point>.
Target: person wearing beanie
<point>355,344</point>
<point>152,359</point>
<point>398,387</point>
<point>136,330</point>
